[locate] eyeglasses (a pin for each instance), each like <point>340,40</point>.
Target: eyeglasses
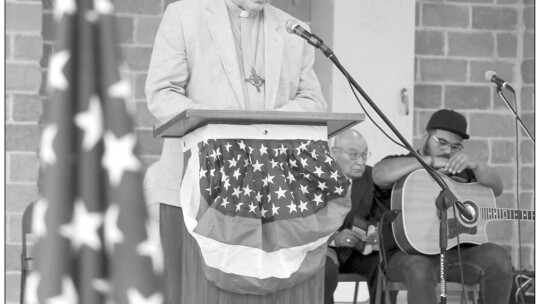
<point>444,144</point>
<point>354,155</point>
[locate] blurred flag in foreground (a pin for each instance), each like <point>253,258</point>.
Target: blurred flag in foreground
<point>95,244</point>
<point>261,205</point>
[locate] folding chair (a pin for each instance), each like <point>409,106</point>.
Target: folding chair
<point>386,286</point>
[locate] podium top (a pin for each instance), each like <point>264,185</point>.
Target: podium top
<point>193,119</point>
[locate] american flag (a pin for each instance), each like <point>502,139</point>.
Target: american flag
<point>95,243</point>
<point>262,210</point>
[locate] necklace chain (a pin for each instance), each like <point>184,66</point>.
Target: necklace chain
<point>255,80</point>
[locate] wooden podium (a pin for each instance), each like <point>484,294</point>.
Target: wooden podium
<point>185,280</point>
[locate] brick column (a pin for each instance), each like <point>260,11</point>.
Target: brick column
<point>23,110</point>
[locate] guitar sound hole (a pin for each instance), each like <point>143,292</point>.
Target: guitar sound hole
<point>473,210</point>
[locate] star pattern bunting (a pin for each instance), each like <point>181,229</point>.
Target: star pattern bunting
<point>252,202</point>
<point>271,180</point>
<point>95,243</point>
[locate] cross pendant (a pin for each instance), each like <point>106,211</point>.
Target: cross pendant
<point>255,80</point>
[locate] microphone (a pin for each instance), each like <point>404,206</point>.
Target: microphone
<point>491,76</point>
<point>293,27</point>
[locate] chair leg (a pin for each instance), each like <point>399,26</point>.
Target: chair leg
<point>355,291</point>
<point>379,290</point>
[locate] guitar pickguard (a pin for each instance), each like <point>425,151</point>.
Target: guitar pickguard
<point>455,228</point>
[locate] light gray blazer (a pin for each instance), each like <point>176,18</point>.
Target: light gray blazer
<point>194,65</point>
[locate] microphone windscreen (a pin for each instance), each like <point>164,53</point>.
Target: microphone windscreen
<point>290,25</point>
<point>489,74</point>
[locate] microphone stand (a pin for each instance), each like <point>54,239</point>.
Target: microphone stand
<point>445,199</point>
<point>499,91</point>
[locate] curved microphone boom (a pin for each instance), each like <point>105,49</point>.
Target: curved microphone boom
<point>491,76</point>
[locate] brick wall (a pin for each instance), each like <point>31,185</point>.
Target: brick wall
<point>456,42</point>
<point>23,110</point>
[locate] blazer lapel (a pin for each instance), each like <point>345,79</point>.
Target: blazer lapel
<point>273,43</point>
<point>218,23</point>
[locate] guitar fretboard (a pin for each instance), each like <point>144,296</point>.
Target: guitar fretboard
<point>506,214</point>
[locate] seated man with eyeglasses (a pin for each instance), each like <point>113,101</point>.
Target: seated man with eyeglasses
<point>487,264</point>
<point>351,249</point>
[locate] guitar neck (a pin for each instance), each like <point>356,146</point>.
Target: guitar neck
<point>507,214</point>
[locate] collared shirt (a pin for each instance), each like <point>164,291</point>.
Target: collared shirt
<point>248,32</point>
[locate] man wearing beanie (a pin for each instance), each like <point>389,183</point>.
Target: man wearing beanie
<point>487,264</point>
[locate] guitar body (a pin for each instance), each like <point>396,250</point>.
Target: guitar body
<point>416,228</point>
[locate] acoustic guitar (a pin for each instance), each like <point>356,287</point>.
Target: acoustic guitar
<point>416,228</point>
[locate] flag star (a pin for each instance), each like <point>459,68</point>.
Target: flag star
<point>322,186</point>
<point>64,7</point>
<point>263,212</point>
<point>46,153</point>
<point>280,192</point>
<point>270,179</point>
<point>293,163</point>
<point>303,146</point>
<point>113,234</point>
<point>31,290</point>
<point>101,285</point>
<point>257,166</point>
<point>91,122</point>
<point>56,78</point>
<point>152,248</point>
<point>225,203</point>
<point>292,207</point>
<point>120,89</point>
<point>314,154</point>
<point>38,217</point>
<point>302,206</point>
<point>328,160</point>
<point>119,157</point>
<point>83,229</point>
<point>236,173</point>
<point>276,152</point>
<point>209,190</point>
<point>68,295</point>
<point>226,184</point>
<point>238,206</point>
<point>275,209</point>
<point>318,199</point>
<point>104,7</point>
<point>214,154</point>
<point>228,146</point>
<point>202,173</point>
<point>334,175</point>
<point>237,191</point>
<point>318,171</point>
<point>232,162</point>
<point>250,150</point>
<point>306,175</point>
<point>290,177</point>
<point>258,197</point>
<point>303,161</point>
<point>263,149</point>
<point>242,145</point>
<point>252,207</point>
<point>135,297</point>
<point>212,172</point>
<point>282,149</point>
<point>274,163</point>
<point>247,191</point>
<point>304,189</point>
<point>339,190</point>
